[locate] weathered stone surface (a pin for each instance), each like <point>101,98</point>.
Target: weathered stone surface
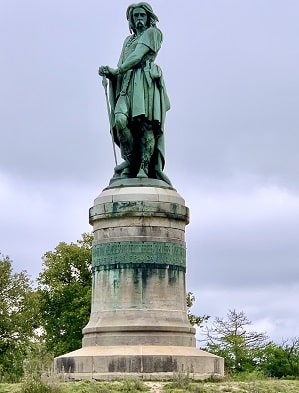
<point>139,269</point>
<point>133,232</point>
<point>150,192</point>
<point>111,362</point>
<point>138,323</point>
<point>140,222</point>
<point>140,209</point>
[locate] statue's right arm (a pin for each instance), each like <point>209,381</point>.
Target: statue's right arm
<point>132,60</point>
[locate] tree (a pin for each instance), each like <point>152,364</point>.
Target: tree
<point>195,320</point>
<point>65,292</point>
<point>231,339</point>
<point>19,317</point>
<point>281,360</point>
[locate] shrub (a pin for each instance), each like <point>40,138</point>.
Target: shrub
<point>133,385</point>
<point>36,385</point>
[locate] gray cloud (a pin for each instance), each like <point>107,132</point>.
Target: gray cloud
<point>231,70</point>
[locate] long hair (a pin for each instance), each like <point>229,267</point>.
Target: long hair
<point>151,17</point>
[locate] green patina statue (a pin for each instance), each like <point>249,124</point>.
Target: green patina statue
<point>138,98</point>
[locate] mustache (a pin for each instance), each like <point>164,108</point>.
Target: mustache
<point>140,22</point>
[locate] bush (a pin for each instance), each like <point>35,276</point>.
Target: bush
<point>87,386</point>
<point>180,380</point>
<point>129,385</point>
<point>133,385</point>
<point>245,376</point>
<point>36,385</point>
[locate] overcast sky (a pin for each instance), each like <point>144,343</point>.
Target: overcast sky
<point>231,69</point>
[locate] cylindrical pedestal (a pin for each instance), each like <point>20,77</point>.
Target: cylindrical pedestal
<point>138,324</point>
<point>139,265</point>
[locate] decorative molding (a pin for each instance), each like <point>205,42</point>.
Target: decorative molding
<point>138,253</point>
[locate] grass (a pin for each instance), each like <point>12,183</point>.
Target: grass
<point>10,387</point>
<point>127,385</point>
<point>35,385</point>
<point>267,386</point>
<point>134,386</point>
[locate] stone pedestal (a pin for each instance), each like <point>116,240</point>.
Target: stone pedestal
<point>138,323</point>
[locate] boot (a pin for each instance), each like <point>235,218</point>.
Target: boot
<point>143,170</point>
<point>123,169</point>
<point>126,147</point>
<point>147,145</point>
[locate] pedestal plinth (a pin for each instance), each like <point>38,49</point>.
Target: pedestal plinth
<point>138,322</point>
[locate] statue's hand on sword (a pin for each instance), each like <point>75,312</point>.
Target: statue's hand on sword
<point>108,71</point>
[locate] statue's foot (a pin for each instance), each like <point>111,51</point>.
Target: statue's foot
<point>122,170</point>
<point>119,168</point>
<point>126,172</point>
<point>142,173</point>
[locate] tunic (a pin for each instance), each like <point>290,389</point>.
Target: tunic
<point>141,90</point>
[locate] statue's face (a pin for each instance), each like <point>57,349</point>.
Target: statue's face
<point>139,17</point>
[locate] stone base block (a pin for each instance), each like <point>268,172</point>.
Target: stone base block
<point>147,362</point>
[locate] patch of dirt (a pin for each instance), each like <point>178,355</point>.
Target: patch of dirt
<point>155,387</point>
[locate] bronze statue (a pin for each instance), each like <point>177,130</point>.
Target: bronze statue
<point>138,98</point>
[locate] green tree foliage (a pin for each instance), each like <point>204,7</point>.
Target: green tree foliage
<point>19,317</point>
<point>195,320</point>
<point>232,339</point>
<point>281,360</point>
<point>65,292</point>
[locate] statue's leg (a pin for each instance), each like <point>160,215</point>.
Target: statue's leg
<point>147,146</point>
<point>126,143</point>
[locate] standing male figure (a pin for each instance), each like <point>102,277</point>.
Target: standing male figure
<point>138,98</point>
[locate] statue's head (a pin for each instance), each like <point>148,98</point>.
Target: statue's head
<point>151,17</point>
